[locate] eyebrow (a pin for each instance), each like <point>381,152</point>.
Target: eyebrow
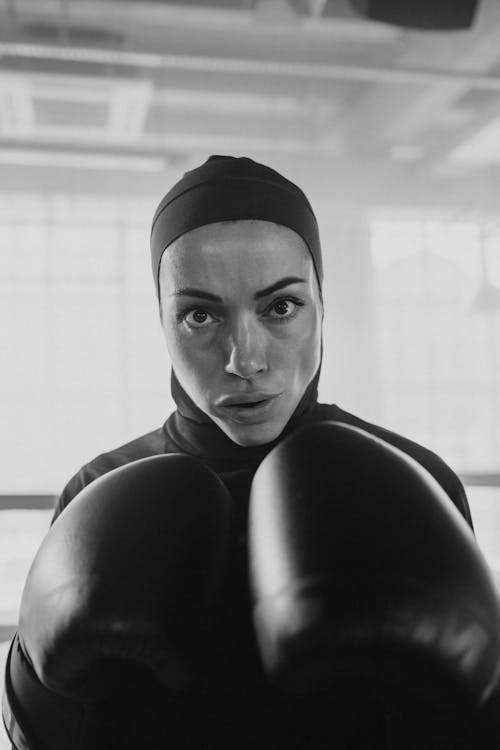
<point>189,291</point>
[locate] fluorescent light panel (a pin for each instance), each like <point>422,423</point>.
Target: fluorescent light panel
<point>47,158</point>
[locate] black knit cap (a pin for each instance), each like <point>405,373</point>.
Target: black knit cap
<point>226,188</point>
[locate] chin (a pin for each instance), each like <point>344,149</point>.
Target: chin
<point>249,436</point>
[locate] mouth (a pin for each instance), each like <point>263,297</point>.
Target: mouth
<point>248,409</point>
<point>245,404</point>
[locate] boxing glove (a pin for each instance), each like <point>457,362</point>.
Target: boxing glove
<point>126,583</point>
<point>364,573</point>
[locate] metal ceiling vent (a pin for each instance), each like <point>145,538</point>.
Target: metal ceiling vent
<point>421,14</point>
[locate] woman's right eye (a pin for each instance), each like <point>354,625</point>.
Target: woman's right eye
<point>198,318</point>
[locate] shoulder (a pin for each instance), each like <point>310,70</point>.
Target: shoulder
<point>435,465</point>
<point>149,444</point>
<point>430,460</point>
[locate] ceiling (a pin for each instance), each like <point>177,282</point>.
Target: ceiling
<point>139,88</point>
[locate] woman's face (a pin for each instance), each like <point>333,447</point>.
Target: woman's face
<point>241,314</point>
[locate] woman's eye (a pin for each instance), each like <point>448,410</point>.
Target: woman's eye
<point>283,308</point>
<point>198,318</point>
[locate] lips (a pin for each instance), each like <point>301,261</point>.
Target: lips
<point>250,408</point>
<point>248,401</point>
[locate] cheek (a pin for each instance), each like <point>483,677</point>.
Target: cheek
<point>172,339</point>
<point>191,359</point>
<point>178,348</point>
<point>304,349</point>
<point>308,360</point>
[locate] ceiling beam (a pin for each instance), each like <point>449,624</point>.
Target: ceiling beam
<point>396,76</point>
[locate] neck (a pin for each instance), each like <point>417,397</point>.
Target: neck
<point>195,433</point>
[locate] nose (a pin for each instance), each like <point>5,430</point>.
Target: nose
<point>246,350</point>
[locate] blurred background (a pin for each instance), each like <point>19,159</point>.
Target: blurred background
<point>392,130</point>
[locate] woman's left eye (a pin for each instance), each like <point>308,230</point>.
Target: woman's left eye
<point>284,308</point>
<point>197,318</point>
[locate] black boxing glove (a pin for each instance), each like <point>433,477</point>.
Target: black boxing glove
<point>364,573</point>
<point>127,581</point>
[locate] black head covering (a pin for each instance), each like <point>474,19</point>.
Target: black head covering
<point>226,188</point>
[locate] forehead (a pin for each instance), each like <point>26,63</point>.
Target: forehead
<point>253,251</point>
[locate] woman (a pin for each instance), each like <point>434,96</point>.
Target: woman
<point>238,272</point>
<point>237,265</point>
